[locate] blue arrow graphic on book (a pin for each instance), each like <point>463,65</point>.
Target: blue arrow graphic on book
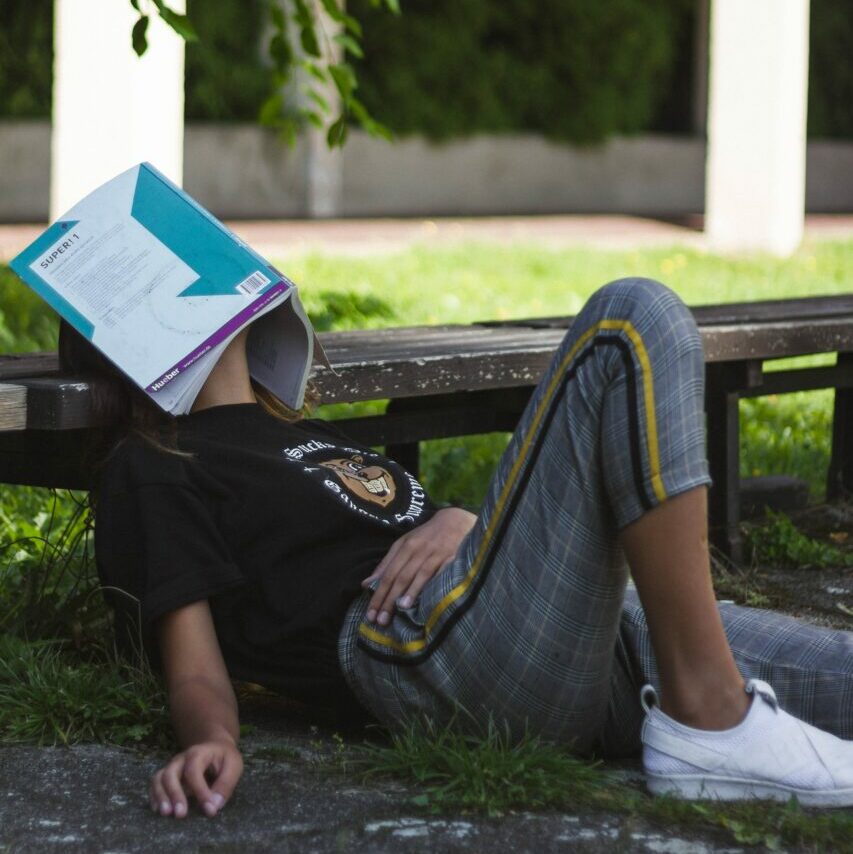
<point>194,236</point>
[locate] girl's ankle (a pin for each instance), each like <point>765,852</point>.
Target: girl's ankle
<point>719,709</point>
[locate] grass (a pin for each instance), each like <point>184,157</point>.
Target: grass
<point>778,542</point>
<point>50,695</point>
<point>488,773</point>
<point>472,282</point>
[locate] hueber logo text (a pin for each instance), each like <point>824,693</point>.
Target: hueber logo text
<point>164,379</point>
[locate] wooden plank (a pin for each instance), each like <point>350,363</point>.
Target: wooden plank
<point>423,361</point>
<point>16,365</point>
<point>793,309</point>
<point>777,340</point>
<point>13,407</point>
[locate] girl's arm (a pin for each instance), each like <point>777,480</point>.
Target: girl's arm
<point>204,714</point>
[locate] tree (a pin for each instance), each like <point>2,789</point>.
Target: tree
<point>316,57</point>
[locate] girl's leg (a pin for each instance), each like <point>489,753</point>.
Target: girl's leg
<point>667,550</point>
<point>523,624</point>
<point>809,667</point>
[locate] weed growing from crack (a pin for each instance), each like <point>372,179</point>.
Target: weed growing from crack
<point>489,773</point>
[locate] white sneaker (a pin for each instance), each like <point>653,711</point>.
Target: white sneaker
<point>769,754</point>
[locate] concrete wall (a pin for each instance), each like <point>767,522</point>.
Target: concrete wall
<point>24,171</point>
<point>241,171</point>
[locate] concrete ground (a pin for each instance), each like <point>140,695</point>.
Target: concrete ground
<point>278,238</point>
<point>291,799</point>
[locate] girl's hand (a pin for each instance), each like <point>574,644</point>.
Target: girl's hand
<point>414,559</point>
<point>209,771</point>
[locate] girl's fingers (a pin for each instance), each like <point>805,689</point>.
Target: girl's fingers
<point>390,579</point>
<point>418,583</point>
<point>157,795</point>
<point>171,782</point>
<point>425,566</point>
<point>193,775</point>
<point>223,786</point>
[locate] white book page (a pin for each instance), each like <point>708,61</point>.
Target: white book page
<point>280,351</point>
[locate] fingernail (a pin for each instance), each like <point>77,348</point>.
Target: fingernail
<point>371,615</point>
<point>406,602</point>
<point>384,618</point>
<point>217,799</point>
<point>210,808</point>
<point>165,807</point>
<point>180,810</point>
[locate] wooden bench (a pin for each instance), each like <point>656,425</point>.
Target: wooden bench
<point>447,381</point>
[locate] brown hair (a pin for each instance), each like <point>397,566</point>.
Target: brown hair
<point>122,408</point>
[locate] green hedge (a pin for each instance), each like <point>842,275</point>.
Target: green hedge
<point>831,69</point>
<point>26,58</point>
<point>225,78</point>
<point>569,68</point>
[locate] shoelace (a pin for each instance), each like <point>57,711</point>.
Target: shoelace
<point>763,690</point>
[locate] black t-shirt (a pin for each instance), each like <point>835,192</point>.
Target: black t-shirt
<point>275,523</point>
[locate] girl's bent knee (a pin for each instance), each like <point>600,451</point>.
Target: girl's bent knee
<point>653,309</point>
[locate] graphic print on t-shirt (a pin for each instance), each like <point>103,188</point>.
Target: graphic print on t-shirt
<point>371,482</point>
<point>365,482</point>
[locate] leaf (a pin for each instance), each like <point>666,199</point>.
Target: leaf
<point>287,132</point>
<point>279,21</point>
<point>179,23</point>
<point>421,800</point>
<point>307,35</point>
<point>138,37</point>
<point>308,40</point>
<point>353,25</point>
<point>344,78</point>
<point>135,4</point>
<point>319,100</point>
<point>350,44</point>
<point>314,70</point>
<point>313,117</point>
<point>280,51</point>
<point>393,6</point>
<point>270,112</point>
<point>333,10</point>
<point>337,133</point>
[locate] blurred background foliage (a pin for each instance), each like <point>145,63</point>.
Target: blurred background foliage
<point>570,69</point>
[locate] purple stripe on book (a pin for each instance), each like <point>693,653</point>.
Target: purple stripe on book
<point>220,335</point>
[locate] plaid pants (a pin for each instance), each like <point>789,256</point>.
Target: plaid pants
<point>530,623</point>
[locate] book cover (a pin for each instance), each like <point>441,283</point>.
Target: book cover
<point>160,286</point>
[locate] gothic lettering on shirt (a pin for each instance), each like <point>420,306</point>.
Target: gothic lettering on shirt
<point>362,479</point>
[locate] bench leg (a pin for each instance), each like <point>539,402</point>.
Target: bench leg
<point>721,405</point>
<point>407,454</point>
<point>839,481</point>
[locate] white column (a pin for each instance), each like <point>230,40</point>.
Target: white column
<point>755,178</point>
<point>111,108</point>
